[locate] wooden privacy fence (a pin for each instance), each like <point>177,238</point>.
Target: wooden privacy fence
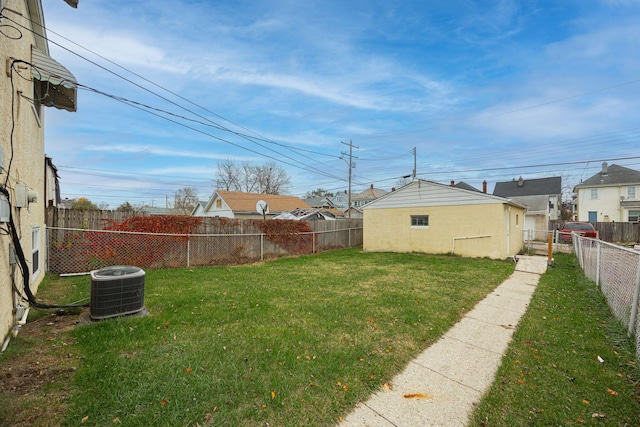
<point>614,232</point>
<point>214,241</point>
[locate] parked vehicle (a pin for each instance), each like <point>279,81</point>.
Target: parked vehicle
<point>584,229</point>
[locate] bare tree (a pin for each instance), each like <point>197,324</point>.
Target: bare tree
<point>186,199</point>
<point>272,179</point>
<point>249,178</point>
<point>401,182</point>
<point>566,204</point>
<point>228,175</point>
<point>266,179</point>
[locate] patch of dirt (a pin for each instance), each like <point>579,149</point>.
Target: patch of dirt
<point>35,376</point>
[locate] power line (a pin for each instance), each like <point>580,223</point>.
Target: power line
<point>218,126</point>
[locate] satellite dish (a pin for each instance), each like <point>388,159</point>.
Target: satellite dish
<point>262,207</point>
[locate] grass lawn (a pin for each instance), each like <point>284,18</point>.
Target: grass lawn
<point>290,342</point>
<point>551,374</point>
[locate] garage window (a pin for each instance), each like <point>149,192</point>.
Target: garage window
<point>420,221</point>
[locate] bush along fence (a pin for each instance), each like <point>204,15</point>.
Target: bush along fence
<point>616,270</point>
<point>172,242</point>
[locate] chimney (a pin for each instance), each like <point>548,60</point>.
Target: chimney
<point>520,182</point>
<point>484,186</point>
<point>453,183</point>
<point>605,169</point>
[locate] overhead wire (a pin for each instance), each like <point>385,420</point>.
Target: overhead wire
<point>224,128</point>
<point>221,127</point>
<point>260,137</point>
<point>155,112</point>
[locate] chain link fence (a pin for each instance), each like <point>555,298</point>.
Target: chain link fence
<point>71,251</point>
<point>616,270</point>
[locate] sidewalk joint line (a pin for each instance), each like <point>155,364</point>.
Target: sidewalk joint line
<point>380,415</point>
<point>447,377</point>
<point>470,344</point>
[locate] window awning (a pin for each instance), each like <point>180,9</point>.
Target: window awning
<point>58,86</point>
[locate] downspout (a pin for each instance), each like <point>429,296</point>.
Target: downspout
<point>509,231</point>
<point>21,321</point>
<point>453,245</point>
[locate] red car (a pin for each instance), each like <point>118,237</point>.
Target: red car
<point>584,229</point>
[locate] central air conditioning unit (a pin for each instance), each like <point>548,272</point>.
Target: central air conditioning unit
<point>116,291</point>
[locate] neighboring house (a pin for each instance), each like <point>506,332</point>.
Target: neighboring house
<point>469,187</point>
<point>341,201</point>
<point>66,203</point>
<point>51,184</point>
<point>233,204</point>
<point>156,211</point>
<point>366,196</point>
<point>434,218</point>
<point>353,213</point>
<point>319,202</point>
<point>308,214</point>
<point>613,194</point>
<point>198,210</point>
<point>30,81</point>
<point>541,196</point>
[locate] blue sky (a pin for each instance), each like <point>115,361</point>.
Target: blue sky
<point>484,90</point>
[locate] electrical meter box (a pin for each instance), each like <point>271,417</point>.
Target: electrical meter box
<point>24,196</point>
<point>4,208</point>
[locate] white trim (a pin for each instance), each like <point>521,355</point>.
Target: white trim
<point>36,249</point>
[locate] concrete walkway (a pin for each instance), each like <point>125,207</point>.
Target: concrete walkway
<point>444,383</point>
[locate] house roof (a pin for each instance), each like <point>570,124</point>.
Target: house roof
<point>307,214</point>
<point>426,193</point>
<point>615,175</point>
<point>466,186</point>
<point>529,187</point>
<point>246,202</point>
<point>319,202</point>
<point>369,194</point>
<point>315,202</point>
<point>201,205</point>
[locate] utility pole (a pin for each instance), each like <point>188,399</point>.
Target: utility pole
<point>351,166</point>
<point>414,163</point>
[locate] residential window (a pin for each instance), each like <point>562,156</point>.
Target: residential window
<point>35,251</point>
<point>594,193</point>
<point>517,220</point>
<point>419,220</point>
<point>634,216</point>
<point>218,203</point>
<point>631,193</point>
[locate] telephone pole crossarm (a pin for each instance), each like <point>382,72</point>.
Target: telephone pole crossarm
<point>351,166</point>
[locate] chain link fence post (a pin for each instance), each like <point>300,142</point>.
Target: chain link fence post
<point>636,300</point>
<point>598,247</point>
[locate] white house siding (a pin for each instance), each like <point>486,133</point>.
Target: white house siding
<point>607,204</point>
<point>211,209</point>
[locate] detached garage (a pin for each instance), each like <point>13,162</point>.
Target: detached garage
<point>433,218</point>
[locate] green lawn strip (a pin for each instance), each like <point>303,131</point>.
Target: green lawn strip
<point>291,342</point>
<point>551,374</point>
